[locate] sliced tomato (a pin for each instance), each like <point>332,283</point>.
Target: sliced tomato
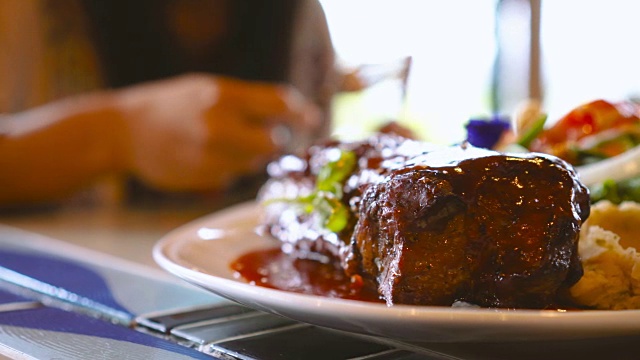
<point>584,121</point>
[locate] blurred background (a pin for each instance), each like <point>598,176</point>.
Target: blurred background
<point>429,65</point>
<point>475,58</point>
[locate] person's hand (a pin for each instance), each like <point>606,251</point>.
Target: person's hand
<point>201,132</point>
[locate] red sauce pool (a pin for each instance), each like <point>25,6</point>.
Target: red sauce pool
<point>274,269</point>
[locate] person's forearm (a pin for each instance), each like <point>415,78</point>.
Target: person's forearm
<point>51,151</point>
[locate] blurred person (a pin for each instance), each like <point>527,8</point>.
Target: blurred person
<point>179,96</point>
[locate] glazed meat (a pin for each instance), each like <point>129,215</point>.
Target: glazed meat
<point>435,226</point>
<point>495,231</point>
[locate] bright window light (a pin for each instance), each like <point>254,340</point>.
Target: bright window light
<point>590,51</point>
<point>452,45</point>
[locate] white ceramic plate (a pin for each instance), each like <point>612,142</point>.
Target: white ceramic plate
<point>200,253</point>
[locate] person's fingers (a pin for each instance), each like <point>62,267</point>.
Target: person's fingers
<point>268,102</point>
<point>197,169</point>
<point>215,171</point>
<point>260,99</point>
<point>229,131</point>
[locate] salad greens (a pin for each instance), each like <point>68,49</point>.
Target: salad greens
<point>616,191</point>
<point>533,131</point>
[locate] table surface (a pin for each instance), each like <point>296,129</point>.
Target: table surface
<point>129,232</point>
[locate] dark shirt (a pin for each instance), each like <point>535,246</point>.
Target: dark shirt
<point>146,40</point>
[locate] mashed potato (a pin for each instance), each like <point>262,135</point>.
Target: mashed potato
<point>608,243</point>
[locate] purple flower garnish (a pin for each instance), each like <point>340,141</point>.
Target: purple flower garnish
<point>485,133</point>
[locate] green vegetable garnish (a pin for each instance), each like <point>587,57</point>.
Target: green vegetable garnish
<point>326,198</point>
<point>332,176</point>
<point>533,131</point>
<point>334,213</point>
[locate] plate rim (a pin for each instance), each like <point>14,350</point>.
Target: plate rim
<point>623,320</point>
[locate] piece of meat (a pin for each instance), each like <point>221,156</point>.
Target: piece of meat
<point>435,226</point>
<point>494,231</point>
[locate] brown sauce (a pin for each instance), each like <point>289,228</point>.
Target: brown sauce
<point>274,269</point>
